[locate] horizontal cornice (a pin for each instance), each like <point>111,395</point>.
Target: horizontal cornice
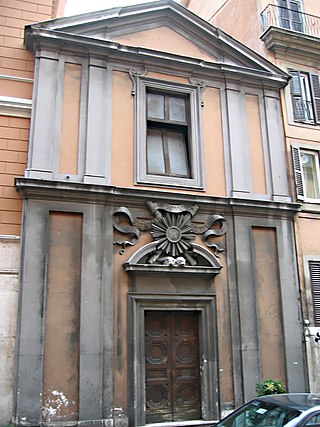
<point>16,107</point>
<point>108,50</point>
<point>135,197</point>
<point>299,45</point>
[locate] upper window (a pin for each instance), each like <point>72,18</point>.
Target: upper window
<point>167,134</point>
<point>290,15</point>
<point>305,93</point>
<point>306,172</point>
<point>168,142</point>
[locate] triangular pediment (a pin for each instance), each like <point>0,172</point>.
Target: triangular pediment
<point>165,39</point>
<point>161,27</point>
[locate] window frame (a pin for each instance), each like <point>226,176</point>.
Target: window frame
<point>299,94</point>
<point>298,171</point>
<point>195,146</point>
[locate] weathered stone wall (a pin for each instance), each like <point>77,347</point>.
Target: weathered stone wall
<point>9,264</point>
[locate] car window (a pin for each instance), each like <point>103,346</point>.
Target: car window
<point>259,414</point>
<point>314,421</point>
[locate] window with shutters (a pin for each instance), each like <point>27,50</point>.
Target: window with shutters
<point>306,173</point>
<point>314,270</point>
<point>305,95</point>
<point>168,142</point>
<point>290,15</point>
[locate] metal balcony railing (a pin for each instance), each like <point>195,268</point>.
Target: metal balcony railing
<point>294,20</point>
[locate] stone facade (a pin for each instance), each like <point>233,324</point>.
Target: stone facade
<point>158,273</point>
<point>122,251</point>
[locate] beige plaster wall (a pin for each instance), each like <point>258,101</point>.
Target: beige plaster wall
<point>123,135</point>
<point>213,143</point>
<point>256,144</point>
<point>309,229</point>
<point>268,304</point>
<point>206,9</point>
<point>311,7</point>
<point>239,18</point>
<point>167,40</point>
<point>69,137</point>
<point>122,130</point>
<point>62,318</point>
<point>211,129</point>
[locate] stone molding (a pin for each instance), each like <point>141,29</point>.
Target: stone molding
<point>16,107</point>
<point>280,40</point>
<point>31,188</point>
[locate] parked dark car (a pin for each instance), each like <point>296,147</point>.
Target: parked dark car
<point>278,410</point>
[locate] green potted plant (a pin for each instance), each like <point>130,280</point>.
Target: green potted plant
<point>270,387</point>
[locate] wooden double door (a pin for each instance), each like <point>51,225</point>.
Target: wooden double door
<point>172,368</point>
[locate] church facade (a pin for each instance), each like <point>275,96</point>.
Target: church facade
<point>158,274</point>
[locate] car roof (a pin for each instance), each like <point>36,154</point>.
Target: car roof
<point>299,401</point>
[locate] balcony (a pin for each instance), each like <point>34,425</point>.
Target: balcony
<point>290,31</point>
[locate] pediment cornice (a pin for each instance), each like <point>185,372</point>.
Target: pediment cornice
<point>95,34</point>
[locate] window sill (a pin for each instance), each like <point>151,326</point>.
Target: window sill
<point>311,206</point>
<point>300,122</point>
<point>163,181</point>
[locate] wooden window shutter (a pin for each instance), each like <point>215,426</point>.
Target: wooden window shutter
<point>283,4</point>
<point>296,95</point>
<point>297,171</point>
<point>315,86</point>
<point>314,267</point>
<point>284,14</point>
<point>296,17</point>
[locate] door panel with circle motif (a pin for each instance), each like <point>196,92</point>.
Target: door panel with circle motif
<point>172,366</point>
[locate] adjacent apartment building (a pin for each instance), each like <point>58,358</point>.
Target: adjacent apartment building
<point>16,83</point>
<point>287,32</point>
<point>158,275</point>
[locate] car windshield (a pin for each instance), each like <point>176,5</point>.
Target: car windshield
<point>259,414</point>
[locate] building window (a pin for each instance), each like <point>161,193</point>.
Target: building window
<point>290,15</point>
<point>314,270</point>
<point>167,134</point>
<point>307,174</point>
<point>168,138</point>
<point>305,94</point>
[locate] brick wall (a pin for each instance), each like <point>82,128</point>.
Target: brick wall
<point>14,15</point>
<point>16,79</point>
<point>13,154</point>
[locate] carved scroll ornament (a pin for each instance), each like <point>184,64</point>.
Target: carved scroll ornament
<point>173,231</point>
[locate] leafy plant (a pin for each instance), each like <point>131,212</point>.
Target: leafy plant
<point>270,387</point>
